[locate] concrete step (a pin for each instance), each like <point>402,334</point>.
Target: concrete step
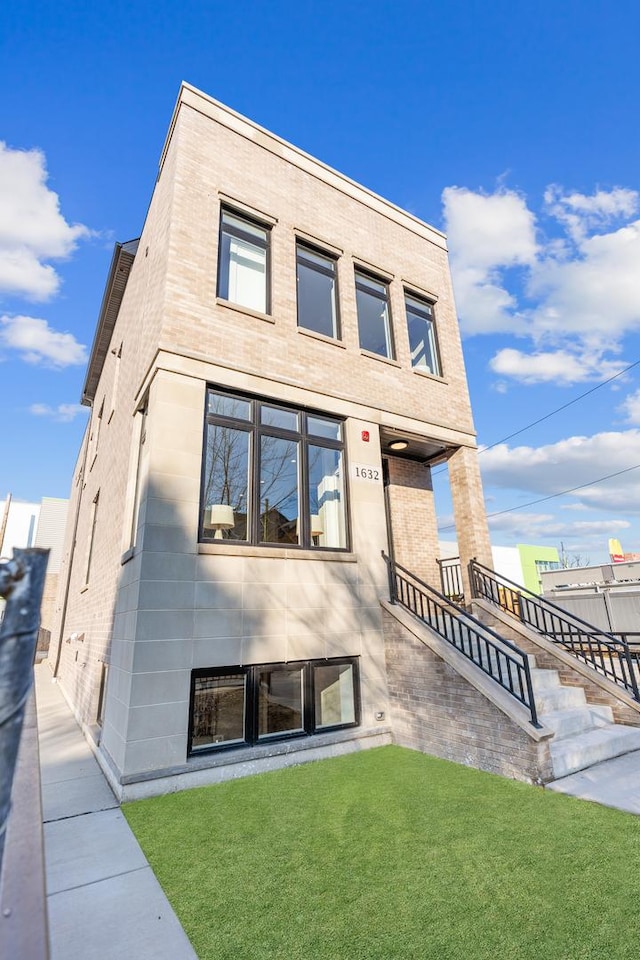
<point>544,679</point>
<point>579,752</point>
<point>567,723</point>
<point>559,698</point>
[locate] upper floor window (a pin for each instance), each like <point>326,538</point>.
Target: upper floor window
<point>374,316</point>
<point>272,474</point>
<point>317,300</point>
<point>422,335</point>
<point>243,263</point>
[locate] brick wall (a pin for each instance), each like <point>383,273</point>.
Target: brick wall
<point>413,518</point>
<point>435,710</point>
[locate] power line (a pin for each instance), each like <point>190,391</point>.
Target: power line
<point>552,413</point>
<point>563,407</point>
<point>552,496</point>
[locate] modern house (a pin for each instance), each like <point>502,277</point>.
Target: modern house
<point>277,366</point>
<point>276,369</point>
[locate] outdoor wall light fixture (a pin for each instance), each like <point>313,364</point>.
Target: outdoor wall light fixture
<point>220,517</point>
<point>398,445</point>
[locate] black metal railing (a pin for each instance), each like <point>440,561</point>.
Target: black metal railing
<point>498,658</point>
<point>612,656</point>
<point>451,579</point>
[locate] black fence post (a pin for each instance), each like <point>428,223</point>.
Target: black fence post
<point>391,578</point>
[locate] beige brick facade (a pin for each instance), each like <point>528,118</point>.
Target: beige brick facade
<point>155,603</point>
<point>437,711</point>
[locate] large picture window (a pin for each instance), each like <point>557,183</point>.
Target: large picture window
<point>243,262</point>
<point>374,316</point>
<point>231,706</point>
<point>422,335</point>
<point>317,300</point>
<point>272,475</point>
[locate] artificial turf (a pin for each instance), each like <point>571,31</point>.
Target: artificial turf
<point>391,854</point>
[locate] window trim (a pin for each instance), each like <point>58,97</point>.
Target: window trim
<point>251,672</point>
<point>256,430</point>
<point>236,232</point>
<point>319,252</point>
<point>382,281</point>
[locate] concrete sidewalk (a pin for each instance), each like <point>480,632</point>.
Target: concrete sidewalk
<point>612,783</point>
<point>103,899</point>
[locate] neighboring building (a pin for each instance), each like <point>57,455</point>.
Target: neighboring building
<point>607,595</point>
<point>524,564</point>
<point>535,561</point>
<point>276,368</point>
<point>41,524</point>
<point>18,522</point>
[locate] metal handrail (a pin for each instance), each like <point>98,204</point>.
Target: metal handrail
<point>608,655</point>
<point>500,659</point>
<point>451,578</point>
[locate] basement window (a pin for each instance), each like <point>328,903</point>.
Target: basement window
<point>234,706</point>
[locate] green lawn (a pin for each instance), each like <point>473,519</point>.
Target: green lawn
<point>391,854</point>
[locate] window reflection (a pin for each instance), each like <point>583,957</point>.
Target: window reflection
<point>326,497</point>
<point>280,701</point>
<point>226,480</point>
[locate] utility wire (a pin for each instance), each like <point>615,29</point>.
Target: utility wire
<point>563,407</point>
<point>552,496</point>
<point>552,413</point>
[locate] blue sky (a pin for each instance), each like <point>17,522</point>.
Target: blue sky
<point>511,125</point>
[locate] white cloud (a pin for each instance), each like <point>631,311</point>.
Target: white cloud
<point>547,470</point>
<point>32,228</point>
<point>559,367</point>
<point>487,232</point>
<point>596,296</point>
<point>585,537</point>
<point>630,407</point>
<point>38,343</point>
<point>581,214</point>
<point>574,297</point>
<point>63,413</point>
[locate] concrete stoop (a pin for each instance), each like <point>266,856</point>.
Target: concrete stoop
<point>584,733</point>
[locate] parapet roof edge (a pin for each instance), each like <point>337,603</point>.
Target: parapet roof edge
<point>121,263</point>
<point>216,110</point>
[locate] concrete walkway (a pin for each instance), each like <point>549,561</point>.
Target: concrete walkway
<point>613,783</point>
<point>103,899</point>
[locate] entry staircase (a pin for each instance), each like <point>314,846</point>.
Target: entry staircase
<point>582,734</point>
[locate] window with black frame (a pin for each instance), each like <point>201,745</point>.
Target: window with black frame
<point>235,706</point>
<point>374,315</point>
<point>272,475</point>
<point>317,291</point>
<point>243,261</point>
<point>422,335</point>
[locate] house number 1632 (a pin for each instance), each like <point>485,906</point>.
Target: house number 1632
<point>366,473</point>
